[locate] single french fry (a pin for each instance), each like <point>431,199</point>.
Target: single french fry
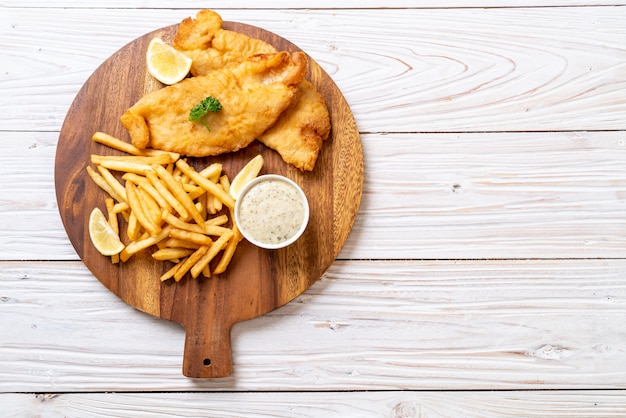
<point>111,215</point>
<point>215,248</point>
<point>206,272</point>
<point>180,224</point>
<point>141,244</point>
<point>225,183</point>
<point>212,172</point>
<point>118,144</point>
<point>112,219</point>
<point>194,192</point>
<point>121,207</point>
<point>201,205</point>
<point>110,178</point>
<point>216,231</point>
<point>190,262</point>
<point>126,215</point>
<point>187,187</point>
<point>185,180</point>
<point>227,255</point>
<point>177,190</point>
<point>104,185</point>
<point>134,228</point>
<point>195,237</point>
<point>176,173</point>
<point>171,253</point>
<point>209,204</point>
<point>217,204</point>
<point>127,167</point>
<point>148,160</point>
<point>178,243</point>
<point>167,195</point>
<point>208,185</point>
<point>135,178</point>
<point>197,229</point>
<point>218,220</point>
<point>229,251</point>
<point>170,273</point>
<point>115,143</point>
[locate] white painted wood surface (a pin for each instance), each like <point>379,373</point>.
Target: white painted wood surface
<point>478,195</point>
<point>366,325</point>
<point>308,4</point>
<point>321,404</point>
<point>414,70</point>
<point>485,275</point>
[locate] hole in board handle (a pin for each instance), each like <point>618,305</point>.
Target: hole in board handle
<point>206,361</point>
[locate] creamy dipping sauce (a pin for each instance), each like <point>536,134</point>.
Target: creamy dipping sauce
<point>272,211</point>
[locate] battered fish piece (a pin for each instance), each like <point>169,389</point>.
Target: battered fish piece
<point>300,132</point>
<point>253,94</point>
<point>210,47</point>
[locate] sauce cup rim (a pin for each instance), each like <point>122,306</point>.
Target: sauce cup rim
<point>253,183</point>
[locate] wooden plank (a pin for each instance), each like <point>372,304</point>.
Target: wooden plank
<point>29,214</point>
<point>377,325</point>
<point>402,70</point>
<point>510,195</point>
<point>552,404</point>
<point>311,4</point>
<point>499,195</point>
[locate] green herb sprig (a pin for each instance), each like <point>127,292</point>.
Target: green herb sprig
<point>201,110</point>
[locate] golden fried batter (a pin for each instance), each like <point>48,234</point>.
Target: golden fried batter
<point>300,132</point>
<point>253,94</point>
<point>210,47</point>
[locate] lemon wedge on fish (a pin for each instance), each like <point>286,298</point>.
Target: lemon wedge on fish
<point>165,63</point>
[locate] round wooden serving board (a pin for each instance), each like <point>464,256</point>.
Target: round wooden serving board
<point>257,281</point>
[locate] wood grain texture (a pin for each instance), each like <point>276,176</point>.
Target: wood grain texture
<point>406,404</point>
<point>414,70</point>
<point>257,281</point>
<point>377,325</point>
<point>454,196</point>
<point>311,4</point>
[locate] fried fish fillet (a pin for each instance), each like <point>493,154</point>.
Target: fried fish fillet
<point>253,94</point>
<point>300,132</point>
<point>210,47</point>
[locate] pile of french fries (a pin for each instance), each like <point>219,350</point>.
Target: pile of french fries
<point>168,207</point>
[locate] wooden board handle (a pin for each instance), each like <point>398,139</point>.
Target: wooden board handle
<point>208,351</point>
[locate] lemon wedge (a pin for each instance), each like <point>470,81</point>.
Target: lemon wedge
<point>165,63</point>
<point>106,241</point>
<point>247,173</point>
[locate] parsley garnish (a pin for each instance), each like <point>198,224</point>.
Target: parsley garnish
<point>201,110</point>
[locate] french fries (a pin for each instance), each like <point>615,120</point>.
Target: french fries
<point>118,144</point>
<point>168,208</point>
<point>113,221</point>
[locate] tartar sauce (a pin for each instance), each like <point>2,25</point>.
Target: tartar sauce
<point>272,211</point>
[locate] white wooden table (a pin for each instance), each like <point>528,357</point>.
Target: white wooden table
<point>485,274</point>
